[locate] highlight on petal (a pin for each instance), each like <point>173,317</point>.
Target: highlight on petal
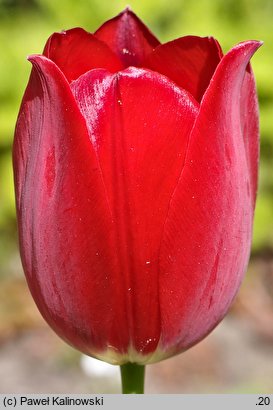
<point>76,51</point>
<point>61,198</point>
<point>139,122</point>
<point>128,37</point>
<point>207,235</point>
<point>189,61</point>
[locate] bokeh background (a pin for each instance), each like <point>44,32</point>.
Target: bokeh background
<point>238,356</point>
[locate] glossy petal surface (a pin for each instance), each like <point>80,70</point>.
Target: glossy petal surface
<point>76,51</point>
<point>189,61</point>
<point>206,241</point>
<point>139,123</point>
<point>136,175</point>
<point>128,37</point>
<point>65,224</point>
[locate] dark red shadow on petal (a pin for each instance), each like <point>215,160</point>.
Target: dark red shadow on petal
<point>128,37</point>
<point>76,51</point>
<point>189,61</point>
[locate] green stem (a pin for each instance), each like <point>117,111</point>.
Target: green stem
<point>132,378</point>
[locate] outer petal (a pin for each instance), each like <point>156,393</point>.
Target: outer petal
<point>139,122</point>
<point>76,51</point>
<point>65,225</point>
<point>250,128</point>
<point>128,37</point>
<point>189,61</point>
<point>206,241</point>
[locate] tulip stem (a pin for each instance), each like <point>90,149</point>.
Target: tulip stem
<point>132,378</point>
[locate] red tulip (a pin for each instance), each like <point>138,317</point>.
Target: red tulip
<point>136,175</point>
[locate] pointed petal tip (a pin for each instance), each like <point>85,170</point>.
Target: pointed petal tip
<point>38,60</point>
<point>245,49</point>
<point>127,10</point>
<point>33,58</point>
<point>128,37</point>
<point>127,13</point>
<point>257,44</point>
<point>30,57</point>
<point>251,45</point>
<point>45,68</point>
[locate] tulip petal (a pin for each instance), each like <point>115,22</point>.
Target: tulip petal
<point>76,51</point>
<point>128,37</point>
<point>189,61</point>
<point>250,128</point>
<point>206,241</point>
<point>139,123</point>
<point>66,229</point>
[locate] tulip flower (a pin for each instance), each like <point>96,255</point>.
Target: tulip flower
<point>136,174</point>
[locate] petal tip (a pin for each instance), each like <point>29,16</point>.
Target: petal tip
<point>43,65</point>
<point>259,43</point>
<point>255,43</point>
<point>127,13</point>
<point>32,58</point>
<point>127,10</point>
<point>245,48</point>
<point>35,59</point>
<point>250,44</point>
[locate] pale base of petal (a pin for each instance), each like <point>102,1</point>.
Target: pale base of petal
<point>113,356</point>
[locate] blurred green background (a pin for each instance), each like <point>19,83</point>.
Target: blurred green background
<point>24,27</point>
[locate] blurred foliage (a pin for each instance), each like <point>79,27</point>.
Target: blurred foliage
<point>26,24</point>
